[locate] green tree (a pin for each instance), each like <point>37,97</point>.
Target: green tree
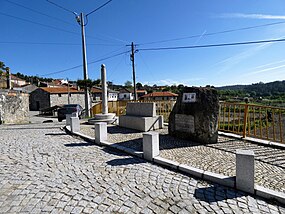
<point>85,83</point>
<point>128,84</point>
<point>139,85</point>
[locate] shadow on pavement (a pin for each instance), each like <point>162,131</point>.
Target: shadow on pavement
<point>125,161</point>
<point>121,130</point>
<point>215,194</point>
<point>79,144</point>
<point>32,128</point>
<point>56,134</point>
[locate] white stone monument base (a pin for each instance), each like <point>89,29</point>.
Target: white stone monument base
<point>107,118</point>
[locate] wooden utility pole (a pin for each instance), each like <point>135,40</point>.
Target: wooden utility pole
<point>134,71</point>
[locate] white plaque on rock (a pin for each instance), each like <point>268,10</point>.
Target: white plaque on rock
<point>189,98</point>
<point>184,123</point>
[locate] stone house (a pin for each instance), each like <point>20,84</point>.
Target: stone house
<point>125,94</point>
<point>15,81</point>
<point>141,92</point>
<point>160,96</point>
<point>46,97</point>
<point>96,94</point>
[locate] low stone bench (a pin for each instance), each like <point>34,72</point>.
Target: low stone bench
<point>142,117</point>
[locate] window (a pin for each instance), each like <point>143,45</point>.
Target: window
<point>59,95</point>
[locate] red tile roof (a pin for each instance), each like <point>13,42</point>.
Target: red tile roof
<point>60,90</point>
<point>161,94</point>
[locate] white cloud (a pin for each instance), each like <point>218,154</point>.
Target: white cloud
<point>173,82</point>
<point>230,62</point>
<point>267,67</point>
<point>252,16</point>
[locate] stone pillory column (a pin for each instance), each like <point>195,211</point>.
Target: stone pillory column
<point>195,115</point>
<point>245,170</point>
<point>104,90</point>
<point>105,116</point>
<point>150,145</point>
<point>100,132</point>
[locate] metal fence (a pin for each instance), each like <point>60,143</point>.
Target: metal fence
<point>263,122</point>
<point>119,107</point>
<point>251,120</point>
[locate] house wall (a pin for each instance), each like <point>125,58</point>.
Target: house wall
<point>61,99</point>
<point>14,107</point>
<point>126,96</point>
<point>39,99</point>
<point>159,98</point>
<point>112,96</point>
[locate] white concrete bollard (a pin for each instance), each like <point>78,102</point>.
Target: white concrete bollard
<point>100,132</point>
<point>245,170</point>
<point>68,116</point>
<point>150,145</point>
<point>74,124</point>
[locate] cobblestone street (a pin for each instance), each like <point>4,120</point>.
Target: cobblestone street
<point>45,170</point>
<point>217,158</point>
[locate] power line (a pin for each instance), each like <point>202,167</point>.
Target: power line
<point>214,33</point>
<point>78,66</point>
<point>212,45</point>
<point>38,12</point>
<point>63,8</point>
<point>53,43</point>
<point>37,23</point>
<point>49,26</point>
<point>98,8</point>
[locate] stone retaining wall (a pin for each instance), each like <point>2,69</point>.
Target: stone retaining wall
<point>14,107</point>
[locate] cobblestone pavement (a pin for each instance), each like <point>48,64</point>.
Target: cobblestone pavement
<point>45,170</point>
<point>218,158</point>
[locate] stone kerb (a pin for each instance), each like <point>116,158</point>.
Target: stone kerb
<point>150,145</point>
<point>100,132</point>
<point>74,124</point>
<point>245,170</point>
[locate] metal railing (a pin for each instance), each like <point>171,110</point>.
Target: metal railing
<point>251,120</point>
<point>119,107</point>
<point>263,122</point>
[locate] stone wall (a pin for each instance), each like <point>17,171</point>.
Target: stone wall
<point>14,107</point>
<point>60,99</point>
<point>39,99</point>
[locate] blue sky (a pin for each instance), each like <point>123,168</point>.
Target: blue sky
<point>38,38</point>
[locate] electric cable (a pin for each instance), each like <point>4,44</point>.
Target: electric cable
<point>98,8</point>
<point>214,33</point>
<point>212,45</point>
<point>63,8</point>
<point>38,12</point>
<point>54,43</point>
<point>78,66</point>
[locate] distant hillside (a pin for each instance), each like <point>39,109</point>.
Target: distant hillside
<point>276,88</point>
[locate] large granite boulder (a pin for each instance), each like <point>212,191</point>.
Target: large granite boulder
<point>195,115</point>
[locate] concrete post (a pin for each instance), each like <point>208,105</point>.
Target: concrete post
<point>74,124</point>
<point>150,145</point>
<point>245,170</point>
<point>100,132</point>
<point>104,90</point>
<point>68,116</point>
